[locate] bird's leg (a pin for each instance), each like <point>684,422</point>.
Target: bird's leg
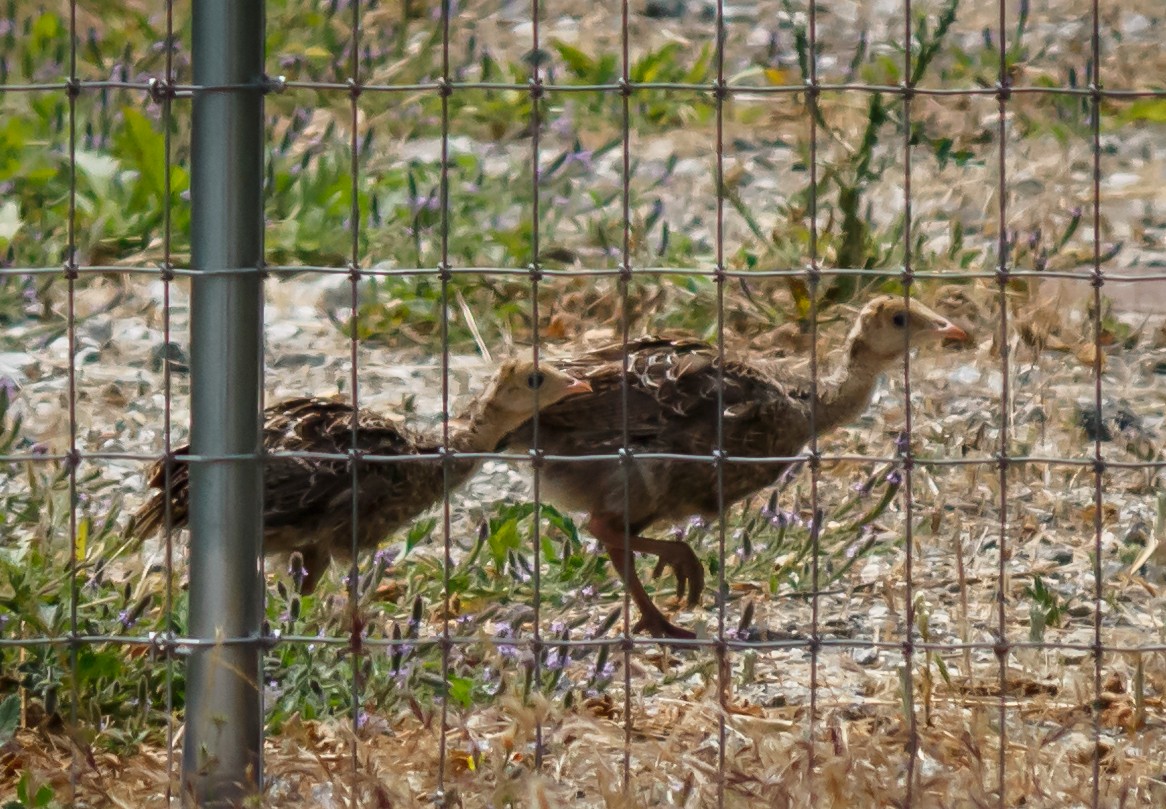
<point>681,558</point>
<point>608,529</point>
<point>316,559</point>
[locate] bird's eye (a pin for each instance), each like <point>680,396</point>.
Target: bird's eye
<point>900,319</point>
<point>535,380</point>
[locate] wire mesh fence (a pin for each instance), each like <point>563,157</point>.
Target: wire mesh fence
<point>951,598</point>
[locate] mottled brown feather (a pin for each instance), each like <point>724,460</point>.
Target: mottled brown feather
<point>312,497</point>
<point>308,502</point>
<point>681,399</point>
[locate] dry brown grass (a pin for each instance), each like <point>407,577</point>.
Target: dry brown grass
<point>854,751</point>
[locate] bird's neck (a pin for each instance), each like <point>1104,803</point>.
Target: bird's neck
<point>480,429</point>
<point>844,394</point>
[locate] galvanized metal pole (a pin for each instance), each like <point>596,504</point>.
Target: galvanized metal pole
<point>221,748</point>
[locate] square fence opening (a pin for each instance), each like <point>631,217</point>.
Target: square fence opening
<point>666,403</point>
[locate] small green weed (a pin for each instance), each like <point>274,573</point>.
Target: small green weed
<point>30,795</point>
<point>849,240</point>
<point>1047,609</point>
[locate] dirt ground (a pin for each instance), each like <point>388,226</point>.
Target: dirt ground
<point>775,724</point>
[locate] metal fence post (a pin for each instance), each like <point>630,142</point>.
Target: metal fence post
<point>221,759</point>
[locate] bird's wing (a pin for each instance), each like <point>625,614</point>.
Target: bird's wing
<point>295,488</point>
<point>298,488</point>
<point>672,389</point>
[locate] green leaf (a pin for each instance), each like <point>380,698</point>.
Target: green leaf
<point>93,665</point>
<point>1152,110</point>
<point>550,552</point>
<point>45,33</point>
<point>10,223</point>
<point>461,690</point>
<point>9,718</point>
<point>561,521</point>
<point>145,150</point>
<point>699,71</point>
<point>14,134</point>
<point>25,799</point>
<point>503,539</point>
<point>654,66</point>
<point>578,62</point>
<point>419,532</point>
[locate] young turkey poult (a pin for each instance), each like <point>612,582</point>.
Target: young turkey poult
<point>307,502</point>
<point>672,407</point>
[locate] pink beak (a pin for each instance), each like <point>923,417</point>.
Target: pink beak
<point>950,331</point>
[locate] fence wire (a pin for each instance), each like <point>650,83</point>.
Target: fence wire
<point>723,645</point>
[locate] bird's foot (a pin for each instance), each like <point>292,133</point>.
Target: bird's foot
<point>686,566</point>
<point>656,625</point>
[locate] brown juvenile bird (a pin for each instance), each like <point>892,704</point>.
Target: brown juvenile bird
<point>307,502</point>
<point>673,407</point>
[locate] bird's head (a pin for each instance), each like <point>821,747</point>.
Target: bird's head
<point>518,389</point>
<point>888,325</point>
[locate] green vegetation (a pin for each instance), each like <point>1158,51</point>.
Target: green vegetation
<point>413,216</point>
<point>125,197</point>
<point>405,598</point>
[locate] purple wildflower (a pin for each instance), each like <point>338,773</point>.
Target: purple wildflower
<point>902,443</point>
<point>29,289</point>
<point>507,650</point>
<point>401,678</point>
<point>557,660</point>
<point>563,126</point>
<point>582,157</point>
<point>779,518</point>
<point>426,203</point>
<point>739,537</point>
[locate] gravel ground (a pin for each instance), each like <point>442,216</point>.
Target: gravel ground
<point>956,414</point>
